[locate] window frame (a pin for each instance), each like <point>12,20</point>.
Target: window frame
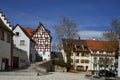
<point>22,42</point>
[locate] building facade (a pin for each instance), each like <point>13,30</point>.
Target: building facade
<point>6,51</point>
<point>80,56</point>
<point>22,40</point>
<point>102,54</point>
<point>90,54</point>
<point>20,58</point>
<point>43,39</point>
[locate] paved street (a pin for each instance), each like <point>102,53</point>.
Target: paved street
<point>50,76</point>
<point>47,76</point>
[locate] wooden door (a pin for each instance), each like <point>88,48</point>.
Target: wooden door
<point>15,62</point>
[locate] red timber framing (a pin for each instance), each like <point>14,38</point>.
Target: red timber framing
<point>43,39</point>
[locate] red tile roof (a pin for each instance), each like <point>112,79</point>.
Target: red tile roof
<point>102,45</point>
<point>30,31</point>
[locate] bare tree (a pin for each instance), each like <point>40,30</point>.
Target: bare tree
<point>113,34</point>
<point>55,46</point>
<point>66,29</point>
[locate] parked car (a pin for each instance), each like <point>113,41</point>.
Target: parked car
<point>115,72</point>
<point>106,73</point>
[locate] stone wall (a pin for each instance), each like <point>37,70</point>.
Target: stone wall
<point>48,65</point>
<point>59,69</point>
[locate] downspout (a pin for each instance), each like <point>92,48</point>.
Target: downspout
<point>11,52</point>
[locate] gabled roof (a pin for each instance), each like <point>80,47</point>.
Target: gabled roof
<point>5,21</point>
<point>77,44</point>
<point>40,26</point>
<point>4,26</point>
<point>26,33</point>
<point>30,31</point>
<point>101,45</point>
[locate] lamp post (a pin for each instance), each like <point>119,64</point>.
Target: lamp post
<point>119,60</point>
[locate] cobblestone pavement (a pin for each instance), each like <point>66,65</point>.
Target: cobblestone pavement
<point>50,76</point>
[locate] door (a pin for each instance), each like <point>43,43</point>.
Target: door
<point>15,62</point>
<point>5,63</point>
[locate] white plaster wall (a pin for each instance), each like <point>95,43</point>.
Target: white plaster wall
<point>92,61</point>
<point>74,57</point>
<point>21,36</point>
<point>5,51</point>
<point>45,56</point>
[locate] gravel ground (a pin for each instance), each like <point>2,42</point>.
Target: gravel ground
<point>50,76</point>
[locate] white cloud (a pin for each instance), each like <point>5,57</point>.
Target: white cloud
<point>87,34</point>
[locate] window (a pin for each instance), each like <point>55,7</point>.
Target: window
<point>94,51</point>
<point>86,54</point>
<point>43,53</point>
<point>86,61</point>
<point>85,47</point>
<point>82,61</point>
<point>95,59</point>
<point>100,51</point>
<point>22,42</point>
<point>77,54</point>
<point>1,35</point>
<point>77,60</point>
<point>8,38</point>
<point>46,46</point>
<point>46,39</point>
<point>71,54</point>
<point>17,33</point>
<point>82,54</point>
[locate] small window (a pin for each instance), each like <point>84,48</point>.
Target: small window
<point>71,54</point>
<point>85,47</point>
<point>17,34</point>
<point>1,35</point>
<point>22,42</point>
<point>77,60</point>
<point>82,61</point>
<point>82,54</point>
<point>8,38</point>
<point>43,53</point>
<point>77,54</point>
<point>86,61</point>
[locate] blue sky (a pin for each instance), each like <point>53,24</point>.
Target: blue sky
<point>91,16</point>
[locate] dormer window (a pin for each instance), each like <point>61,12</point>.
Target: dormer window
<point>17,34</point>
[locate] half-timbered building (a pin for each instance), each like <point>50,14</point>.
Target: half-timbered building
<point>43,39</point>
